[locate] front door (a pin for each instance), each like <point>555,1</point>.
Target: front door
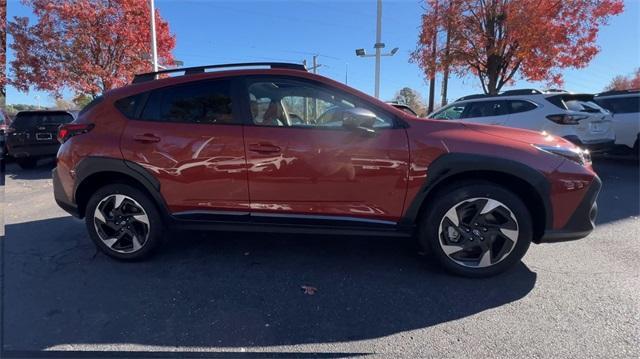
<point>303,163</point>
<point>187,137</point>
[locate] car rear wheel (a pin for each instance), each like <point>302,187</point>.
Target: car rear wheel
<point>476,229</point>
<point>123,222</point>
<point>27,163</point>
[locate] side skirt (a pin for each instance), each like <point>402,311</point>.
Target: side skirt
<point>293,224</point>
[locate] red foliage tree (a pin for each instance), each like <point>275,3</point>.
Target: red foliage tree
<point>88,46</point>
<point>495,39</point>
<point>625,82</point>
<point>3,45</point>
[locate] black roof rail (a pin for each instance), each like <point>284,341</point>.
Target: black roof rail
<point>617,92</point>
<point>471,97</point>
<point>521,92</point>
<point>555,91</point>
<point>150,76</point>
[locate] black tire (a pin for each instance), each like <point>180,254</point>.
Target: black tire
<point>27,163</point>
<point>452,196</point>
<point>155,228</point>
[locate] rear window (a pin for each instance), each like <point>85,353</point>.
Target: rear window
<point>25,121</point>
<point>580,103</point>
<point>630,104</point>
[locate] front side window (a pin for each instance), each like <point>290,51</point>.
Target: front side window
<point>451,112</point>
<point>291,103</point>
<point>203,102</point>
<point>485,109</point>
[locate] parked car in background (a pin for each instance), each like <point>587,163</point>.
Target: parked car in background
<point>575,117</point>
<point>4,122</point>
<point>403,107</point>
<point>32,135</point>
<point>625,107</point>
<point>273,148</point>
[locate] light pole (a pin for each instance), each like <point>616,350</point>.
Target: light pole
<point>379,45</point>
<point>154,48</point>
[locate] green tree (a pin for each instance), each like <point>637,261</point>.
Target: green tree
<point>411,98</point>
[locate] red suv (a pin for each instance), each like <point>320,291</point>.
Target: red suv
<point>269,147</point>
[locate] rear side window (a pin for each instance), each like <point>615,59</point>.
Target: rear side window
<point>621,104</point>
<point>517,106</point>
<point>485,109</point>
<point>203,102</point>
<point>30,120</point>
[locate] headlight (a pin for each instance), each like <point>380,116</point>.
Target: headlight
<point>575,154</point>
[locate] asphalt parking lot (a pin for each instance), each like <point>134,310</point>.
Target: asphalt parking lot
<point>240,294</point>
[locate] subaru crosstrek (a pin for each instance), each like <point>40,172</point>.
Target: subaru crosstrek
<point>273,148</point>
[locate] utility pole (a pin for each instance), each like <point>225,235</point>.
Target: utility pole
<point>154,48</point>
<point>378,46</point>
<point>432,78</point>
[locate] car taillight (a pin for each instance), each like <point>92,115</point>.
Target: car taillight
<point>564,119</point>
<point>65,132</point>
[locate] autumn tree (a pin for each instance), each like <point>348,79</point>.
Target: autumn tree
<point>411,98</point>
<point>621,82</point>
<point>497,39</point>
<point>3,46</point>
<point>88,46</point>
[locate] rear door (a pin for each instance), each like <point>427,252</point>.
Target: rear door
<point>189,138</point>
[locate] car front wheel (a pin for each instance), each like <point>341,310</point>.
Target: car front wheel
<point>123,222</point>
<point>476,229</point>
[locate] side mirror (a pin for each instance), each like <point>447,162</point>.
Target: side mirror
<point>359,119</point>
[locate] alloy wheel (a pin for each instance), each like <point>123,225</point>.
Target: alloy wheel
<point>121,223</point>
<point>478,232</point>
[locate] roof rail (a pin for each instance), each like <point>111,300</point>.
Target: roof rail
<point>555,91</point>
<point>471,97</point>
<point>150,76</point>
<point>617,92</point>
<point>521,92</point>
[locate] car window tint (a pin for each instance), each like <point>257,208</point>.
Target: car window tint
<point>204,102</point>
<point>451,112</point>
<point>621,104</point>
<point>517,106</point>
<point>302,104</point>
<point>485,109</point>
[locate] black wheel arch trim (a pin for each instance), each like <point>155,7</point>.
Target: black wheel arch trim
<point>92,165</point>
<point>451,164</point>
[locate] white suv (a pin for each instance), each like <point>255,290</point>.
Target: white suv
<point>575,117</point>
<point>625,106</point>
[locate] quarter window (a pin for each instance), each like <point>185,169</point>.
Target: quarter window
<point>204,102</point>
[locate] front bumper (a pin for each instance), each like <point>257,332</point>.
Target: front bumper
<point>61,197</point>
<point>592,146</point>
<point>582,222</point>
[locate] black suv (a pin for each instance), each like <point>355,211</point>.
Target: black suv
<point>33,135</point>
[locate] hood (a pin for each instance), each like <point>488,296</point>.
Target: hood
<point>520,135</point>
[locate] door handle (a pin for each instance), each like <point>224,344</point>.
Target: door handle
<point>146,138</point>
<point>264,148</point>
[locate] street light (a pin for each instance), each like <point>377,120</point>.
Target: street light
<point>154,48</point>
<point>379,45</point>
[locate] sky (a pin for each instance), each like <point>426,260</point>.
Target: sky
<point>213,31</point>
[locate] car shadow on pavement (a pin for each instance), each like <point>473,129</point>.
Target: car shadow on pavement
<point>620,195</point>
<point>42,171</point>
<point>229,290</point>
